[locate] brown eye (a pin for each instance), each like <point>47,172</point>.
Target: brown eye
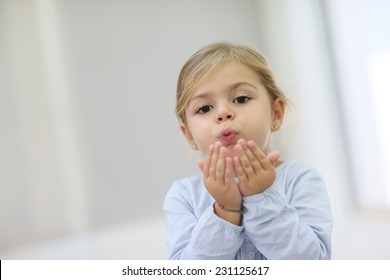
<point>241,99</point>
<point>204,109</point>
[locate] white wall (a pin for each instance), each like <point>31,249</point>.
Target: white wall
<point>89,135</point>
<point>89,139</point>
<point>296,40</point>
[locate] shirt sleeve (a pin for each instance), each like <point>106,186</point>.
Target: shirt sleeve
<point>293,226</point>
<point>192,235</point>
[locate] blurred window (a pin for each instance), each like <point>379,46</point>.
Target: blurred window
<point>360,34</point>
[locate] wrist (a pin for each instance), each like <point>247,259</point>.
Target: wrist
<point>228,209</point>
<point>231,217</point>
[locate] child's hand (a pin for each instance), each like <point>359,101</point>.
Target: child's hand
<point>255,170</point>
<point>218,173</point>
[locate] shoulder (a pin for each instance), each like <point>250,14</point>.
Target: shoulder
<point>294,168</point>
<point>292,174</point>
<point>189,192</point>
<point>189,187</point>
<point>188,184</point>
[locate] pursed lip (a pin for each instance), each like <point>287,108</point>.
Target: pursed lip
<point>228,136</point>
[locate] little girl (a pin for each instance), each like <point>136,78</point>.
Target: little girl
<point>248,204</point>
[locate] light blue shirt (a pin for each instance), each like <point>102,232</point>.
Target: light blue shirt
<point>289,220</point>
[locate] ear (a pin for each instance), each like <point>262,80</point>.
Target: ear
<point>187,134</point>
<point>277,114</point>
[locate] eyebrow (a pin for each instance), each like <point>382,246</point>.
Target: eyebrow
<point>236,85</point>
<point>231,87</point>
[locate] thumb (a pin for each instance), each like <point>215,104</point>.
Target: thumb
<point>274,157</point>
<point>200,164</point>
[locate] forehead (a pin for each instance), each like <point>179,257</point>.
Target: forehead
<point>227,75</point>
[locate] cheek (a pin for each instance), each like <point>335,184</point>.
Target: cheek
<point>203,141</point>
<point>201,135</point>
<point>261,135</point>
<point>264,140</point>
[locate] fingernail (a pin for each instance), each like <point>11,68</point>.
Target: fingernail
<point>238,147</point>
<point>251,143</point>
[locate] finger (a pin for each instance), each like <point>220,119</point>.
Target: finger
<point>267,162</point>
<point>253,153</point>
<point>229,174</point>
<point>207,162</point>
<point>201,164</point>
<point>246,164</point>
<point>239,171</point>
<point>214,160</point>
<point>274,157</point>
<point>258,154</point>
<point>220,169</point>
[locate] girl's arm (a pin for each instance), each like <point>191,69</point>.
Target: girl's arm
<point>194,231</point>
<point>291,219</point>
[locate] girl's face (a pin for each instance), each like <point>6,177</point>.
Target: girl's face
<point>231,105</point>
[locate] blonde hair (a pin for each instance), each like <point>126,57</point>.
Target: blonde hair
<point>202,64</point>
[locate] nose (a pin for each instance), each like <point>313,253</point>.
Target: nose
<point>224,114</point>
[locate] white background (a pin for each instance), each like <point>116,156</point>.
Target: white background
<point>89,142</point>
